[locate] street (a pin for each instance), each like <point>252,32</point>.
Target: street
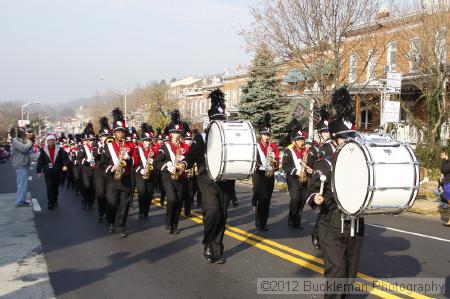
<point>84,261</point>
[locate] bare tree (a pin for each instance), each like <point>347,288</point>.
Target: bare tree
<point>428,57</point>
<point>311,36</point>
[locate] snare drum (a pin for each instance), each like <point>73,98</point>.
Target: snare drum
<point>230,150</point>
<point>375,177</point>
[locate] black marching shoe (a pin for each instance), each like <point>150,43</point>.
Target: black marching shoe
<point>50,207</point>
<point>169,229</point>
<point>111,228</point>
<point>145,217</point>
<point>84,205</point>
<point>207,253</point>
<point>315,242</point>
<point>141,216</point>
<point>100,217</point>
<point>175,230</point>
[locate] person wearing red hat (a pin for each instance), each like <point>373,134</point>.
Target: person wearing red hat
<point>292,164</point>
<point>52,162</point>
<point>119,157</point>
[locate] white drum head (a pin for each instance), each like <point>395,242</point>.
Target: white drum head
<point>351,178</point>
<point>214,148</point>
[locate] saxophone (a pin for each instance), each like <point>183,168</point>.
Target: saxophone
<point>148,166</point>
<point>177,174</point>
<point>120,164</point>
<point>302,177</point>
<point>192,172</point>
<point>270,162</point>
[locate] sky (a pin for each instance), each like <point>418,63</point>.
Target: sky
<point>54,51</point>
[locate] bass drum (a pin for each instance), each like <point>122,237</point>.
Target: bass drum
<point>375,177</point>
<point>230,150</point>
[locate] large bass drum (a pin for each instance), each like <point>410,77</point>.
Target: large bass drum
<point>375,176</point>
<point>230,150</point>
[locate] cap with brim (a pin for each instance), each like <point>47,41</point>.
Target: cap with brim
<point>265,131</point>
<point>299,135</point>
<point>341,129</point>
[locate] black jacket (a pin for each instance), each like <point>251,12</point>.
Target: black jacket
<point>196,154</point>
<point>43,163</point>
<point>445,170</point>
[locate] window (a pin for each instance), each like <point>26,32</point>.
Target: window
<point>441,45</point>
<point>371,63</point>
<point>201,106</point>
<point>366,118</point>
<point>392,56</point>
<point>414,55</point>
<point>352,68</point>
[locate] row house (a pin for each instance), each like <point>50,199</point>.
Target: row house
<point>388,44</point>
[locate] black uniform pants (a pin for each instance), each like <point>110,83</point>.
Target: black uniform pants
<point>88,185</point>
<point>70,178</point>
<point>77,177</point>
<point>297,202</point>
<point>101,182</point>
<point>145,193</point>
<point>118,200</point>
<point>52,184</point>
<point>263,189</point>
<point>341,252</point>
<point>189,199</point>
<point>175,191</point>
<point>215,200</point>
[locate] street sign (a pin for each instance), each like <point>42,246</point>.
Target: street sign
<point>393,82</point>
<point>391,112</point>
<point>23,122</point>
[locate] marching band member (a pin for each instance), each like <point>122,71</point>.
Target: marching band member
<point>101,178</point>
<point>292,165</point>
<point>173,174</point>
<point>268,159</point>
<point>76,164</point>
<point>52,162</point>
<point>215,195</point>
<point>341,252</point>
<point>70,148</point>
<point>324,148</point>
<point>119,156</point>
<point>196,188</point>
<point>145,176</point>
<point>132,138</point>
<point>158,183</point>
<point>186,139</point>
<point>86,159</point>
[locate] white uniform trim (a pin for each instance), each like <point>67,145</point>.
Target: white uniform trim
<point>297,164</point>
<point>263,158</point>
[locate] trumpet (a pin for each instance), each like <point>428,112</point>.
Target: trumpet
<point>148,166</point>
<point>121,164</point>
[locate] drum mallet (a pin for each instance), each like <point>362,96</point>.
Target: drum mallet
<point>322,183</point>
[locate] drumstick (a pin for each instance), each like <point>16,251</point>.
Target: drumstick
<point>322,182</point>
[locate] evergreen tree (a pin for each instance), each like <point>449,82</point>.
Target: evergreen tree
<point>263,93</point>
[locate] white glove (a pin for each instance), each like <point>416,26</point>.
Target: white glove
<point>171,169</point>
<point>142,171</point>
<point>126,156</point>
<point>298,172</point>
<point>64,168</point>
<point>113,169</point>
<point>269,168</point>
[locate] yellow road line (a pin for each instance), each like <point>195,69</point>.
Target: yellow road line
<point>245,237</point>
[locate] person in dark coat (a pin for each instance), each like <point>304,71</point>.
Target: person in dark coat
<point>340,249</point>
<point>52,162</point>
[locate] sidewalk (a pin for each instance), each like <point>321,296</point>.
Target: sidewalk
<point>23,271</point>
<point>426,203</point>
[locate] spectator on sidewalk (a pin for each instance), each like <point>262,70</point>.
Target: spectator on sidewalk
<point>445,170</point>
<point>52,161</point>
<point>21,144</point>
